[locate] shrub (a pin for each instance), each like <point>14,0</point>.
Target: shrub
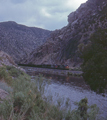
<point>26,103</point>
<point>3,72</point>
<point>14,71</point>
<point>4,75</point>
<point>5,87</point>
<point>95,61</point>
<point>84,112</point>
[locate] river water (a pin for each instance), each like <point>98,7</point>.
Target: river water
<point>75,89</point>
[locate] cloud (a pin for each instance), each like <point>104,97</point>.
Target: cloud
<point>48,14</point>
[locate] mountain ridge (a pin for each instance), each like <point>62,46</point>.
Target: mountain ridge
<point>19,40</point>
<point>62,45</point>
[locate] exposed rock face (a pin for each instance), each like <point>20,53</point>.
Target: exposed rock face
<point>62,46</point>
<point>19,40</point>
<point>5,59</point>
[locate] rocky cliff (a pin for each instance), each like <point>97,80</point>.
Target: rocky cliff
<point>19,40</point>
<point>5,59</point>
<point>62,46</point>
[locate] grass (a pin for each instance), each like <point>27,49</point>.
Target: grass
<point>26,100</point>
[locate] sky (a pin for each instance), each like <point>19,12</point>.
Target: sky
<point>46,14</point>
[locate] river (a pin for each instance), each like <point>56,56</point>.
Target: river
<point>74,88</point>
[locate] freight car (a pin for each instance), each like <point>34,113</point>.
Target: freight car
<point>61,67</point>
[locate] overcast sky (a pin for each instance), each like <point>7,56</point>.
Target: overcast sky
<point>47,14</point>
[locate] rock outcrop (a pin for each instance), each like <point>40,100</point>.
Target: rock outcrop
<point>62,45</point>
<point>19,40</point>
<point>5,59</point>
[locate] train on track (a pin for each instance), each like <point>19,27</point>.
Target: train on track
<point>61,67</point>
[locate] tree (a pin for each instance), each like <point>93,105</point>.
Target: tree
<point>95,61</point>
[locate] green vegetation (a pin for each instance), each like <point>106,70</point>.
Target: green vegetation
<point>95,61</point>
<point>26,101</point>
<point>4,75</point>
<point>69,73</point>
<point>74,74</point>
<point>76,68</point>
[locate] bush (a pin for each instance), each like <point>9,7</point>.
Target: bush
<point>95,61</point>
<point>3,72</point>
<point>14,71</point>
<point>5,87</point>
<point>84,112</point>
<point>4,75</point>
<point>26,103</point>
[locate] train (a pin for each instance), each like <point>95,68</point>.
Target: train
<point>64,67</point>
<point>55,66</point>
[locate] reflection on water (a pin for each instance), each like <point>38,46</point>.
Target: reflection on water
<point>75,89</point>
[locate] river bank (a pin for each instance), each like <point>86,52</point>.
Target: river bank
<point>71,87</point>
<point>34,70</point>
<point>26,102</point>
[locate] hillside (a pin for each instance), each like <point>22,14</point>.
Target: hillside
<point>23,97</point>
<point>62,45</point>
<point>5,59</point>
<point>19,40</point>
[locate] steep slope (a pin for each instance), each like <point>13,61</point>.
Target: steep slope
<point>5,59</point>
<point>19,40</point>
<point>62,46</point>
